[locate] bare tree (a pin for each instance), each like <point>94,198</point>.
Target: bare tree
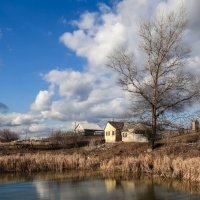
<point>64,138</point>
<point>162,85</point>
<point>7,136</point>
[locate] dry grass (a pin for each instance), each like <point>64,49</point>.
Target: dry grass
<point>184,138</point>
<point>45,162</point>
<point>163,166</point>
<point>174,160</point>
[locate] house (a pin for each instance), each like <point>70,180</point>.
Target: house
<point>133,132</point>
<point>88,129</point>
<point>112,131</point>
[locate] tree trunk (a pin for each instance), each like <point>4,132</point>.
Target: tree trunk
<point>154,128</point>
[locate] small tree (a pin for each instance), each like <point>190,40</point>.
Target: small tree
<point>162,86</point>
<point>8,136</point>
<point>64,138</point>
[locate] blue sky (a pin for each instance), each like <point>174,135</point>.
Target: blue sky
<point>53,55</point>
<point>29,45</point>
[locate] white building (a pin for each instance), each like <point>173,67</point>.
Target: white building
<point>88,129</point>
<point>135,132</point>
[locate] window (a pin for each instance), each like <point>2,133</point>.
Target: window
<point>108,133</point>
<point>113,132</point>
<point>124,134</point>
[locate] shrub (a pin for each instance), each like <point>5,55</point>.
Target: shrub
<point>64,138</point>
<point>7,136</point>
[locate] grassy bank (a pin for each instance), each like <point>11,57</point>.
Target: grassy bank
<point>178,158</point>
<point>163,166</point>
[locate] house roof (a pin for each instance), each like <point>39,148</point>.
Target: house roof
<point>117,125</point>
<point>135,126</point>
<point>90,126</point>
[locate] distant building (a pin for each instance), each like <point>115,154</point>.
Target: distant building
<point>88,129</point>
<point>195,125</point>
<point>135,132</point>
<point>112,131</point>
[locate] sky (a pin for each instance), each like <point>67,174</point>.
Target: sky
<point>53,56</point>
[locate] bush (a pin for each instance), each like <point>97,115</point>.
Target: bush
<point>94,142</point>
<point>64,138</point>
<point>8,136</point>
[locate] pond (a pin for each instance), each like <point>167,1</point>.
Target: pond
<point>86,187</point>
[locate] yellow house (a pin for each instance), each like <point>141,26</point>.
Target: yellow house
<point>112,131</point>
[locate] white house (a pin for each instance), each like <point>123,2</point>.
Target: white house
<point>88,129</point>
<point>135,132</point>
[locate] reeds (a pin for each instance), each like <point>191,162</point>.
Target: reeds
<point>163,166</point>
<point>45,162</point>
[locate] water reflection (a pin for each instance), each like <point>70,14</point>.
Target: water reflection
<point>131,189</point>
<point>107,189</point>
<point>69,189</point>
<point>113,184</point>
<point>72,187</point>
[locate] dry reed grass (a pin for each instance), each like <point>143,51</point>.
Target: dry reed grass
<point>163,166</point>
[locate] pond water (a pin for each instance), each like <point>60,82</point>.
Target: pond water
<point>86,188</point>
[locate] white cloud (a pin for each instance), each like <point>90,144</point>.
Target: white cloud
<point>87,21</point>
<point>72,84</point>
<point>43,100</point>
<point>37,128</point>
<point>96,37</point>
<point>85,96</point>
<point>15,119</point>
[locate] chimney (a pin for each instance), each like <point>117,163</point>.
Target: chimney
<point>195,125</point>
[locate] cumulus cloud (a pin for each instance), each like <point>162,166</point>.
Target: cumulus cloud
<point>43,100</point>
<point>92,94</point>
<point>16,119</point>
<point>72,84</point>
<point>97,35</point>
<point>84,96</point>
